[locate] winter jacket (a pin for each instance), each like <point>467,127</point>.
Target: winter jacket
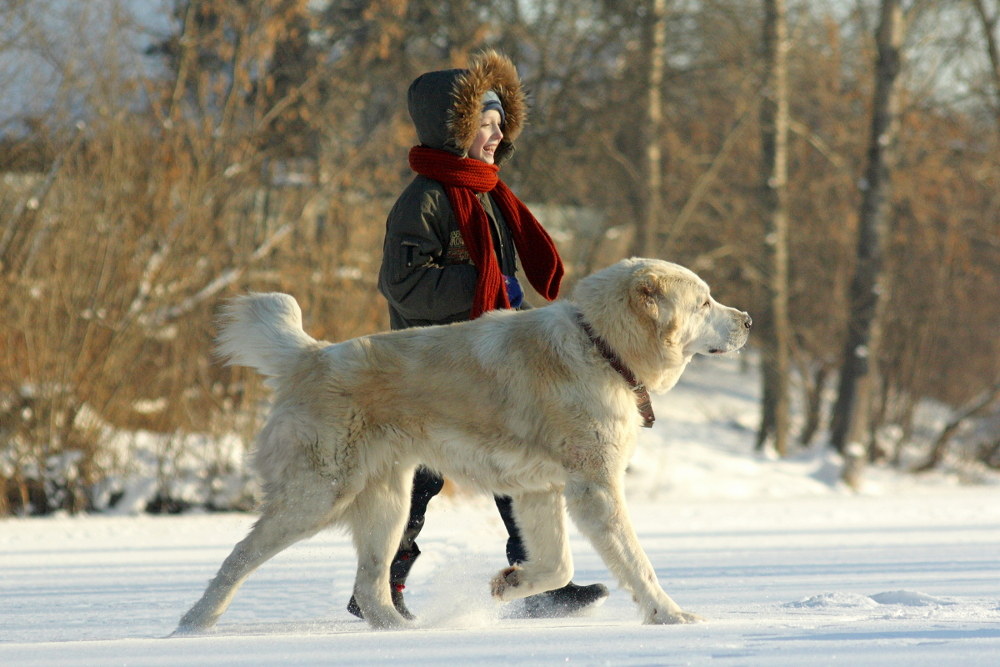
<point>426,274</point>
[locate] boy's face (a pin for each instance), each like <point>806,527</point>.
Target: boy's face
<point>487,138</point>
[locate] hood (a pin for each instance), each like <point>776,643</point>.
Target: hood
<point>446,105</point>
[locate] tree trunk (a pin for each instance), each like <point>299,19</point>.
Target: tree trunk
<point>989,24</point>
<point>774,203</point>
<point>851,418</point>
<point>813,403</point>
<point>649,224</point>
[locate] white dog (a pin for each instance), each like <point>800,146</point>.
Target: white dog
<point>542,405</point>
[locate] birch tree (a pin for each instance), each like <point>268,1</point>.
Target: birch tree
<point>851,418</point>
<point>774,204</point>
<point>645,239</point>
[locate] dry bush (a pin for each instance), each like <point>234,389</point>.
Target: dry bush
<point>110,283</point>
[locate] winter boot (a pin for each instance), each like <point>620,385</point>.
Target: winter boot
<point>398,572</point>
<point>564,601</point>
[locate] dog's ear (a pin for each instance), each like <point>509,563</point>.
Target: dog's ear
<point>646,294</point>
<point>648,287</point>
<point>651,301</point>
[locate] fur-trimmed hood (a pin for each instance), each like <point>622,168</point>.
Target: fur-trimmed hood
<point>446,105</point>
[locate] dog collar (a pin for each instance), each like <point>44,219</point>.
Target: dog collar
<point>639,389</point>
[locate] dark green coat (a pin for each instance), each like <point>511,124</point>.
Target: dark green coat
<point>426,274</point>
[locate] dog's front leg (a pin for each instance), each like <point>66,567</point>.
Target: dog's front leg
<point>541,520</point>
<point>599,511</point>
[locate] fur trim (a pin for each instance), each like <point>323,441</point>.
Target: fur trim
<point>489,70</point>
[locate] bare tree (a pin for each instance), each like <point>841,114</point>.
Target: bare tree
<point>774,203</point>
<point>649,223</point>
<point>851,418</point>
<point>989,23</point>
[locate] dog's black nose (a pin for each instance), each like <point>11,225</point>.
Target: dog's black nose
<point>748,322</point>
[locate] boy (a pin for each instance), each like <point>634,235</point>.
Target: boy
<point>451,250</point>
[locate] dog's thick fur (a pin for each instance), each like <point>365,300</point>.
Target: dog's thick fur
<point>515,403</point>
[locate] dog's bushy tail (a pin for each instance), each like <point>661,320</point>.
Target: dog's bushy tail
<point>263,331</point>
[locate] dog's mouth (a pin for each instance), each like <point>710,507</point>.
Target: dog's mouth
<point>731,347</point>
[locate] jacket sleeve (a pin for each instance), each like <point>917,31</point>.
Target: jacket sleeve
<point>415,277</point>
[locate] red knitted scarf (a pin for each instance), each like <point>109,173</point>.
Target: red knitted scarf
<point>461,178</point>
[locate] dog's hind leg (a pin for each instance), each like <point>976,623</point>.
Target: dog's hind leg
<point>287,517</point>
<point>541,520</point>
<point>377,518</point>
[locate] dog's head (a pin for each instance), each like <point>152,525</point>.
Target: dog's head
<point>657,315</point>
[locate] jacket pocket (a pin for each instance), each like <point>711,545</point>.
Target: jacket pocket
<point>416,252</point>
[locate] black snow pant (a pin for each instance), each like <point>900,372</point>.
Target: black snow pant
<point>426,485</point>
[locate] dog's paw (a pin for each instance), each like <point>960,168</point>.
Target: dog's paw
<point>387,621</point>
<point>194,624</point>
<point>505,580</point>
<point>187,631</point>
<point>673,617</point>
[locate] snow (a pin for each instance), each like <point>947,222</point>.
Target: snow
<point>787,566</point>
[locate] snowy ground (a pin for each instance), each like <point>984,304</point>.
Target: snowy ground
<point>788,568</point>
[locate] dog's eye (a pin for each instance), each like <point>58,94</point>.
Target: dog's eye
<point>706,304</point>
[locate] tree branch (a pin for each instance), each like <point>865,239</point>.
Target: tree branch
<point>222,281</point>
<point>977,406</point>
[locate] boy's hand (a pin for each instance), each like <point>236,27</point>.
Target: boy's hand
<point>514,292</point>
